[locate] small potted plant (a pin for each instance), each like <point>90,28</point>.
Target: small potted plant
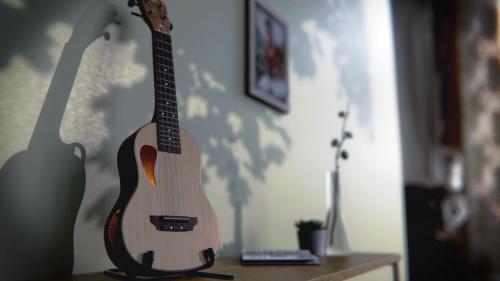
<point>312,236</point>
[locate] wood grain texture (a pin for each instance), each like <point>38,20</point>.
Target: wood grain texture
<point>331,269</point>
<point>178,193</point>
<point>155,14</point>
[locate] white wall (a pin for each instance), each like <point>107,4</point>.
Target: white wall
<point>262,170</point>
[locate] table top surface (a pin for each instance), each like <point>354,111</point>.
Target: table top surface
<point>331,269</point>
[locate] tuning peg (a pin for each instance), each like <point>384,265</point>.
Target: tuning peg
<point>132,3</point>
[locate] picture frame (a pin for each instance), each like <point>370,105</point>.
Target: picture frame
<point>267,56</point>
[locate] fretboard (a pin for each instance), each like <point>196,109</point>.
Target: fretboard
<point>166,100</point>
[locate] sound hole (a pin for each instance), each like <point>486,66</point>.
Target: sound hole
<point>148,159</point>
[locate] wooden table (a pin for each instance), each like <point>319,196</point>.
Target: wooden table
<point>331,269</point>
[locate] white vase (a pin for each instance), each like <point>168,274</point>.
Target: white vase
<point>337,239</point>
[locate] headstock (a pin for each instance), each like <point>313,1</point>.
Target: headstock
<point>154,14</point>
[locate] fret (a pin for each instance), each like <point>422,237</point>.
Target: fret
<point>165,98</point>
<point>169,89</point>
<point>169,116</point>
<point>166,77</point>
<point>167,58</point>
<point>170,142</point>
<point>175,137</point>
<point>169,136</point>
<point>166,80</point>
<point>171,145</point>
<point>163,49</point>
<point>164,66</point>
<point>169,131</point>
<point>163,69</point>
<point>167,74</point>
<point>172,122</point>
<point>167,84</point>
<point>164,130</point>
<point>165,40</point>
<point>168,124</point>
<point>164,59</point>
<point>169,149</point>
<point>168,96</point>
<point>164,55</point>
<point>169,109</point>
<point>170,139</point>
<point>165,92</point>
<point>166,108</point>
<point>162,46</point>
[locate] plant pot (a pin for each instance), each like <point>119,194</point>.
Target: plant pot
<point>314,241</point>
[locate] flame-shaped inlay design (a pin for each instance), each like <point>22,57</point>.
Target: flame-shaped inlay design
<point>148,159</point>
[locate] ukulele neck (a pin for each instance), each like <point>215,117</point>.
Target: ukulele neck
<point>167,116</point>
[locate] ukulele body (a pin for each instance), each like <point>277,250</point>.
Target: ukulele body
<point>162,220</point>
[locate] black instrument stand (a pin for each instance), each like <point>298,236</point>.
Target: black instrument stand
<point>209,255</point>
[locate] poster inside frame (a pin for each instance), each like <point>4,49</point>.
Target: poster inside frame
<point>267,56</point>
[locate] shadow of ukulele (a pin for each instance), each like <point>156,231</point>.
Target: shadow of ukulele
<point>41,189</point>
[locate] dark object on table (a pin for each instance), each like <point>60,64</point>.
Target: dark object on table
<point>312,236</point>
<point>431,258</point>
<point>278,257</point>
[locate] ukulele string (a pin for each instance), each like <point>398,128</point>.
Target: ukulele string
<point>175,157</point>
<point>167,173</point>
<point>166,166</point>
<point>178,164</point>
<point>171,157</point>
<point>159,178</point>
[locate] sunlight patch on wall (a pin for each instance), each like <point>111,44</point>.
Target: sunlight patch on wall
<point>14,4</point>
<point>196,84</point>
<point>323,54</point>
<point>105,66</point>
<point>235,122</point>
<point>59,34</point>
<point>196,107</point>
<point>23,91</point>
<point>212,83</point>
<point>20,103</point>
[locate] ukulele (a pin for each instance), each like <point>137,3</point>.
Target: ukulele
<point>162,221</point>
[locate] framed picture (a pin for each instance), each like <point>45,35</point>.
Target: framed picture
<point>267,57</point>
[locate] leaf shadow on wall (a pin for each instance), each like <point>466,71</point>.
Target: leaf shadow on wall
<point>41,189</point>
<point>30,39</point>
<point>344,23</point>
<point>233,130</point>
<point>228,123</point>
<point>125,110</point>
<point>230,136</point>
